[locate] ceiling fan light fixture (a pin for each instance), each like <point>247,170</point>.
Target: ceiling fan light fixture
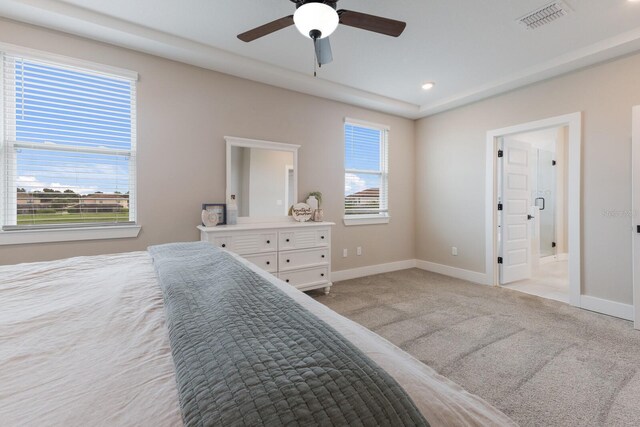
<point>318,17</point>
<point>428,85</point>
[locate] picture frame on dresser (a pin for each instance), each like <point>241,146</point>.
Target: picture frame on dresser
<point>214,214</point>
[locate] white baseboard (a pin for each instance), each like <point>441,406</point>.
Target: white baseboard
<point>370,270</point>
<point>458,273</point>
<point>599,305</point>
<point>611,308</point>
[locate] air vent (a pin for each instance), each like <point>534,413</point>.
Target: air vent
<point>544,15</point>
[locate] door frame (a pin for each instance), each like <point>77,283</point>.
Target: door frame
<point>574,176</point>
<point>635,220</point>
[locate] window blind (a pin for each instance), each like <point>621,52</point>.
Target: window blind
<point>68,149</point>
<point>366,170</point>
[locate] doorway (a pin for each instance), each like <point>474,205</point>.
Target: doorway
<point>532,218</point>
<point>517,227</point>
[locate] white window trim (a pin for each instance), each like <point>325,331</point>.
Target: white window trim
<point>366,219</point>
<point>48,235</point>
<point>68,234</point>
<point>68,61</point>
<point>369,219</point>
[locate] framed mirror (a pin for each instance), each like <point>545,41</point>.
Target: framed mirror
<point>263,175</point>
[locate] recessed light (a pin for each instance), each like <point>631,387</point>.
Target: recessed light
<point>428,85</point>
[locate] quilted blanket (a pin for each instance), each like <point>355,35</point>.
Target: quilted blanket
<point>247,354</point>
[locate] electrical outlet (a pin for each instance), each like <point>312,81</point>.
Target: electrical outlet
<point>454,251</point>
<point>359,250</point>
<point>345,253</point>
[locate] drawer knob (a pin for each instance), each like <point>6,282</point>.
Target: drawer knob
<point>287,280</point>
<point>288,240</point>
<point>268,242</point>
<point>322,256</point>
<point>268,262</point>
<point>321,274</point>
<point>224,245</point>
<point>322,237</point>
<point>288,260</point>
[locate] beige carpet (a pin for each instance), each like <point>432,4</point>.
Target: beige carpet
<point>541,362</point>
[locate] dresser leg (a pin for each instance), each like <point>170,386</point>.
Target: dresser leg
<point>326,290</point>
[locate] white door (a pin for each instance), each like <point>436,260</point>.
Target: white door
<point>636,214</point>
<point>515,233</point>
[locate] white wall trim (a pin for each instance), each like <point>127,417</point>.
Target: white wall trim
<point>458,273</point>
<point>610,308</point>
<point>574,121</point>
<point>599,305</point>
<point>370,270</point>
<point>366,219</point>
<point>19,237</point>
<point>364,123</point>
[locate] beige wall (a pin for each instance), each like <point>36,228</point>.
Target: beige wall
<point>183,114</point>
<point>450,190</point>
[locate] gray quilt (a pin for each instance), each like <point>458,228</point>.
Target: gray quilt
<point>247,354</point>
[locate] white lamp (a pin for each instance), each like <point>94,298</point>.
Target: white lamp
<point>316,16</point>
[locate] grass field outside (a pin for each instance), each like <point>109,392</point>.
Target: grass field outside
<point>63,218</point>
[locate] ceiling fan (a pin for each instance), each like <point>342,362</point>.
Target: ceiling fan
<point>318,19</point>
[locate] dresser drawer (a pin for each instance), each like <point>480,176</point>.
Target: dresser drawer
<point>251,243</point>
<point>267,262</point>
<point>303,239</point>
<point>246,243</point>
<point>307,276</point>
<point>303,258</point>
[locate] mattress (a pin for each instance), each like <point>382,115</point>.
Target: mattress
<point>83,341</point>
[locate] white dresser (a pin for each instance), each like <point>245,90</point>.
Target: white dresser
<point>298,253</point>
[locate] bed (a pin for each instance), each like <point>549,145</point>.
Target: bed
<point>84,341</point>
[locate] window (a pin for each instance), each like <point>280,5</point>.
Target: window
<point>366,173</point>
<point>68,149</point>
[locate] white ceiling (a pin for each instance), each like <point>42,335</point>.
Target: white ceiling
<point>472,49</point>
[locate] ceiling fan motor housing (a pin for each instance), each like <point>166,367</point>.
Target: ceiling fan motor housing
<point>332,3</point>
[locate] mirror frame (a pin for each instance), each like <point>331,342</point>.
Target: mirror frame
<point>233,141</point>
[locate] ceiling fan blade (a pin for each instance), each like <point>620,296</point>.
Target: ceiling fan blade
<point>323,51</point>
<point>377,24</point>
<point>266,29</point>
